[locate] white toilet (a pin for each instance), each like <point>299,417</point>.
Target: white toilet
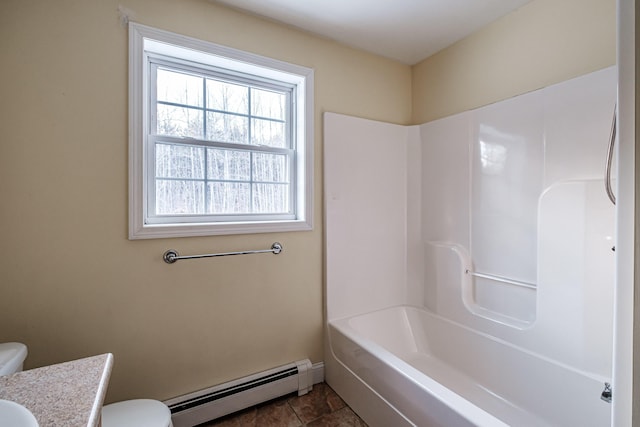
<point>136,413</point>
<point>130,413</point>
<point>12,355</point>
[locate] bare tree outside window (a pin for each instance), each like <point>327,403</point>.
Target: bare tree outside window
<point>217,157</point>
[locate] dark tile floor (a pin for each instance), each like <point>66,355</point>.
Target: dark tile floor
<point>321,407</point>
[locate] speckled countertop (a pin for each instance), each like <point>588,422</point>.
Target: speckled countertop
<point>68,394</point>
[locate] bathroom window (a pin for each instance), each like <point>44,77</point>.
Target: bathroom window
<point>220,139</point>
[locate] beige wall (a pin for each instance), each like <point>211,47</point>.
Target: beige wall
<point>542,43</point>
<point>71,284</point>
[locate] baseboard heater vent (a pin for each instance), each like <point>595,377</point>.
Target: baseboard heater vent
<point>214,402</point>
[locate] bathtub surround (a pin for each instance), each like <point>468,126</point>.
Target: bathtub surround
<point>491,233</point>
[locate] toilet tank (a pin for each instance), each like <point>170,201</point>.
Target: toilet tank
<point>12,355</point>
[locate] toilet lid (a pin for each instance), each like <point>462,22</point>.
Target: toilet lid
<point>136,413</point>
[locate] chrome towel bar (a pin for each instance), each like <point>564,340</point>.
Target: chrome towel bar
<point>172,255</point>
<point>500,279</point>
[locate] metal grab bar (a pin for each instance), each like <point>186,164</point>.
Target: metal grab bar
<point>501,279</point>
<point>607,173</point>
<point>172,255</point>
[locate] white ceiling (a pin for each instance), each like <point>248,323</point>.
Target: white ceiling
<point>405,30</point>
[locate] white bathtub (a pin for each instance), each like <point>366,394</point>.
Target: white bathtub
<point>407,366</point>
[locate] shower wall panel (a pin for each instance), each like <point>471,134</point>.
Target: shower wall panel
<point>520,196</point>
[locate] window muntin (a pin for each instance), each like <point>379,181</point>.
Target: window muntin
<point>232,113</point>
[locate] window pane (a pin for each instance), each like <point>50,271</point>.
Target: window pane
<point>179,197</point>
<point>179,161</point>
<point>267,104</point>
<point>270,167</point>
<point>179,121</point>
<point>227,128</point>
<point>228,165</point>
<point>229,198</point>
<point>179,88</point>
<point>270,198</point>
<point>267,132</point>
<point>227,97</point>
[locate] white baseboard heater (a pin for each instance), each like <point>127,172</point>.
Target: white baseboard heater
<point>217,401</point>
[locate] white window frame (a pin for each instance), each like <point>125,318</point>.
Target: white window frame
<point>147,42</point>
